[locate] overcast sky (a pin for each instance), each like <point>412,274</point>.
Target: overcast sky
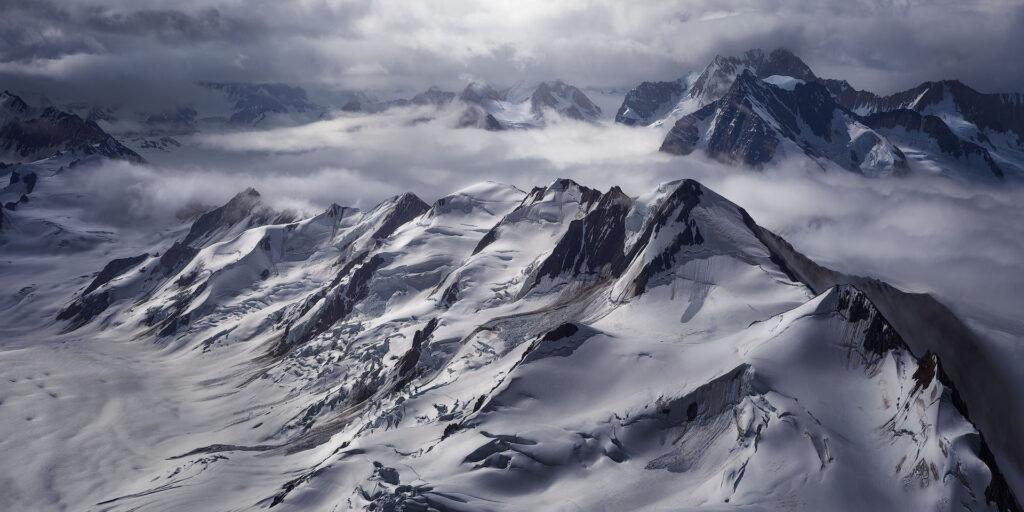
<point>150,50</point>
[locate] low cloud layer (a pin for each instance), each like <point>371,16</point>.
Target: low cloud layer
<point>148,52</point>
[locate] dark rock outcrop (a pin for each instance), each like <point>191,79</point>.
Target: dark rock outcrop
<point>676,208</point>
<point>406,208</point>
<point>113,269</point>
<point>649,100</point>
<point>593,244</point>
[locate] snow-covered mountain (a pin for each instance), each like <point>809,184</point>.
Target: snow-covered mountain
<point>662,103</point>
<point>38,142</point>
<point>519,106</point>
<point>943,127</point>
<point>562,348</point>
<point>28,134</point>
<point>985,129</point>
<point>214,107</point>
<point>757,120</point>
<point>253,103</point>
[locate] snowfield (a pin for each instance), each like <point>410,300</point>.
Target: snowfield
<point>561,348</point>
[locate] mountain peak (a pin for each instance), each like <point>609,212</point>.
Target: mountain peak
<point>719,75</point>
<point>665,102</point>
<point>563,184</point>
<point>477,92</point>
<point>565,99</point>
<point>30,134</point>
<point>754,120</point>
<point>224,217</point>
<point>784,62</point>
<point>399,210</point>
<point>433,96</point>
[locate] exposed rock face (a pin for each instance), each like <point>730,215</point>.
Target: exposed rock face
<point>242,212</point>
<point>649,101</point>
<point>84,309</point>
<point>405,208</point>
<point>479,93</point>
<point>717,78</point>
<point>327,311</point>
<point>673,212</point>
<point>565,99</point>
<point>988,112</point>
<point>746,138</point>
<point>652,102</point>
<point>592,245</point>
<point>245,206</point>
<point>113,269</point>
<point>992,123</point>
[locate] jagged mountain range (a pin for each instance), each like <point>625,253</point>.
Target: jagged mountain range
<point>28,134</point>
<point>235,105</point>
<point>502,349</point>
<point>249,105</point>
<point>751,108</point>
<point>519,106</point>
<point>756,120</point>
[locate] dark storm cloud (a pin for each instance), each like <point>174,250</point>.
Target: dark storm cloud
<point>173,26</point>
<point>43,29</point>
<point>147,50</point>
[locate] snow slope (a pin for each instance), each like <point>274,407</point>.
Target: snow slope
<point>561,348</point>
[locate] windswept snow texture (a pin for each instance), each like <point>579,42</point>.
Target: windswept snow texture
<point>561,348</point>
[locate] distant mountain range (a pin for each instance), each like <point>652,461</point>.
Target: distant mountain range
<point>28,134</point>
<point>268,105</point>
<point>752,108</point>
<point>235,105</point>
